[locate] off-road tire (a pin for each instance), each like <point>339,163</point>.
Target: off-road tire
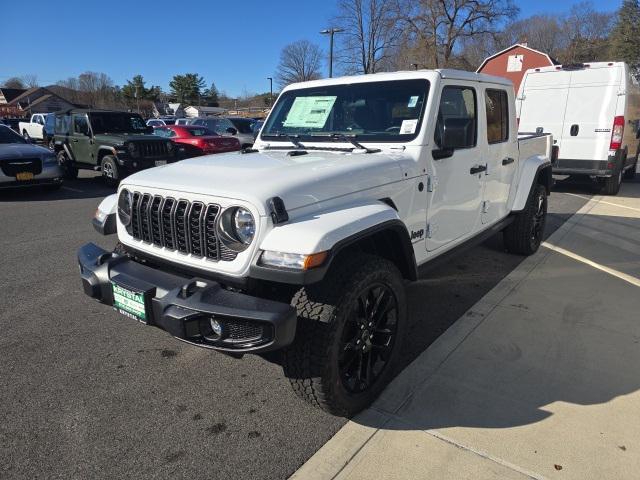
<point>520,236</point>
<point>312,362</point>
<point>69,170</point>
<point>110,171</point>
<point>611,185</point>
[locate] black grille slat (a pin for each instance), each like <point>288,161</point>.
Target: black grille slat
<point>167,224</point>
<point>153,149</point>
<point>180,222</point>
<point>188,227</point>
<point>154,220</point>
<point>211,241</point>
<point>145,226</point>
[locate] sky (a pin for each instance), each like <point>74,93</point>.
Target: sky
<point>235,44</point>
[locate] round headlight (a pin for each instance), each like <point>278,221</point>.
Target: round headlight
<point>124,207</point>
<point>236,228</point>
<point>244,225</point>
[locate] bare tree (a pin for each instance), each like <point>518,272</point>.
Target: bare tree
<point>587,32</point>
<point>30,80</point>
<point>370,33</point>
<point>443,25</point>
<point>14,82</point>
<point>299,62</point>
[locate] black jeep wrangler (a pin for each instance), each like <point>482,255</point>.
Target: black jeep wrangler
<point>116,143</point>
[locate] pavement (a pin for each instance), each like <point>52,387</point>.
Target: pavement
<point>87,393</point>
<point>538,379</point>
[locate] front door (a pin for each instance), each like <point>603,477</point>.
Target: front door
<point>501,141</point>
<point>456,179</point>
<point>80,139</point>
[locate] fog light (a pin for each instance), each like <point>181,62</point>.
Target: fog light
<point>215,326</point>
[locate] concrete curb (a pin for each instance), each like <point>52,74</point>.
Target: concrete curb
<point>335,455</point>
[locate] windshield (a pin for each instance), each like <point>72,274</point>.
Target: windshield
<point>218,125</point>
<point>114,122</point>
<point>9,136</point>
<point>374,111</point>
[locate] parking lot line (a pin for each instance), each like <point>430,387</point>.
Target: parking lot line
<point>622,276</point>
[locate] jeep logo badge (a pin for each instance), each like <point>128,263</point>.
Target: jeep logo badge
<point>417,234</point>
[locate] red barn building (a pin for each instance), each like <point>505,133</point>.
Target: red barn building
<point>512,62</point>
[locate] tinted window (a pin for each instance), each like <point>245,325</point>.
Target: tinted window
<point>373,111</point>
<point>161,132</point>
<point>116,122</point>
<point>62,124</point>
<point>218,125</point>
<point>200,132</point>
<point>497,105</point>
<point>80,124</point>
<point>242,125</point>
<point>457,123</point>
<point>9,136</point>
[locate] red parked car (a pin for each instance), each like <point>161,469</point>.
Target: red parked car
<point>198,140</point>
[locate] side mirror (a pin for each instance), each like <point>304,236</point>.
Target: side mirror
<point>232,131</point>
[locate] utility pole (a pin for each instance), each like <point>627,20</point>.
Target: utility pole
<point>331,32</point>
<point>270,91</point>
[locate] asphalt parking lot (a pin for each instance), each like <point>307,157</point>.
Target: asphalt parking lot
<point>87,393</point>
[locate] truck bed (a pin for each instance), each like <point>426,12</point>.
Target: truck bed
<point>530,144</point>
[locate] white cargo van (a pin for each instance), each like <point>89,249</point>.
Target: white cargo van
<point>593,112</point>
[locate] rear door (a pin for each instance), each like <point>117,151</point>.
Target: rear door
<point>543,101</point>
<point>590,110</point>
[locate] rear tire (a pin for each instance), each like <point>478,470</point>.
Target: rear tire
<point>110,171</point>
<point>630,173</point>
<point>69,170</point>
<point>349,335</point>
<point>525,233</point>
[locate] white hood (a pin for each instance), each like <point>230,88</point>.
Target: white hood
<point>256,177</point>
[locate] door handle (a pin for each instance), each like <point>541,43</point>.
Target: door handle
<point>74,140</point>
<point>477,169</point>
<point>574,130</point>
<point>507,161</point>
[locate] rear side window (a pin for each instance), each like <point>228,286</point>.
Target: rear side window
<point>80,124</point>
<point>457,123</point>
<point>497,105</point>
<point>62,124</point>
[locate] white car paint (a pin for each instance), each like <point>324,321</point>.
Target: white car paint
<point>555,99</point>
<point>330,195</point>
<point>34,126</point>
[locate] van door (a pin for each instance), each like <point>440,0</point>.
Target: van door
<point>591,108</point>
<point>543,100</point>
<point>502,153</point>
<point>457,180</point>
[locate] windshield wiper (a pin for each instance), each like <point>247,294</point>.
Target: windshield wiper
<point>346,138</point>
<point>292,138</point>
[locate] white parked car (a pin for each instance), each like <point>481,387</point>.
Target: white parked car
<point>593,112</point>
<point>34,128</point>
<point>303,244</point>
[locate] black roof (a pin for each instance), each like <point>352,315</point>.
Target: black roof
<point>11,93</point>
<point>91,110</point>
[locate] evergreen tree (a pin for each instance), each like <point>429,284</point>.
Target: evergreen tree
<point>625,36</point>
<point>213,96</point>
<point>187,88</point>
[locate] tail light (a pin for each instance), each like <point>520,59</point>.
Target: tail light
<point>616,133</point>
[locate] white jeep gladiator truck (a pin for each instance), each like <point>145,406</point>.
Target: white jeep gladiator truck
<point>34,128</point>
<point>303,243</point>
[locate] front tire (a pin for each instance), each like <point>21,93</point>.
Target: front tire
<point>110,170</point>
<point>525,233</point>
<point>349,336</point>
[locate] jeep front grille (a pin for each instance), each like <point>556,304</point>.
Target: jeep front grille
<point>153,149</point>
<point>188,227</point>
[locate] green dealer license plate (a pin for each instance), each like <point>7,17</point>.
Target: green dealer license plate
<point>129,303</point>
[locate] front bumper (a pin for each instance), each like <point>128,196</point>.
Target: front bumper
<point>183,306</point>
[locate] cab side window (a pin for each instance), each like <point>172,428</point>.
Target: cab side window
<point>80,124</point>
<point>62,124</point>
<point>497,105</point>
<point>457,123</point>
